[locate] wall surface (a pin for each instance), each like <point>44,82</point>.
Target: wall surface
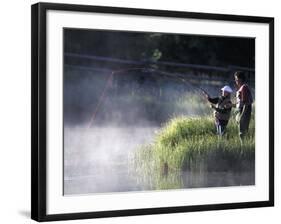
<point>15,110</point>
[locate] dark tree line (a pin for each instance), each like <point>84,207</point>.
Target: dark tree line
<point>152,47</point>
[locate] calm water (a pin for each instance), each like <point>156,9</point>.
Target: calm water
<point>98,160</point>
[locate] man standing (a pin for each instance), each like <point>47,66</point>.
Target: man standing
<point>244,102</point>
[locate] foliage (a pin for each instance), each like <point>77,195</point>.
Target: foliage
<point>194,49</point>
<point>190,144</point>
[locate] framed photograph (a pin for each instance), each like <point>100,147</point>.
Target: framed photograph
<point>140,111</point>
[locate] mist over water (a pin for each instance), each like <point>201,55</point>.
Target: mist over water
<point>98,159</point>
<point>99,144</point>
<point>109,114</point>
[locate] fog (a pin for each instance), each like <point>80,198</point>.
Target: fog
<point>121,87</point>
<point>106,121</point>
<point>133,97</point>
<point>99,143</point>
<point>98,159</point>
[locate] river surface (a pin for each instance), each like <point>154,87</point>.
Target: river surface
<point>97,160</point>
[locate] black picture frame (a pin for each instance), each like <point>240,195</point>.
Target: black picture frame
<point>39,116</point>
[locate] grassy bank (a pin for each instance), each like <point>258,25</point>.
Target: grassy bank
<point>191,144</point>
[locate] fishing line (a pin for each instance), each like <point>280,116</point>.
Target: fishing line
<point>101,98</point>
<point>103,95</point>
<point>145,69</point>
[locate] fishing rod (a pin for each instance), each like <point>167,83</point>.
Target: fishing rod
<point>189,83</point>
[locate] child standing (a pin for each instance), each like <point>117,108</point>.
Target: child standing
<point>222,108</point>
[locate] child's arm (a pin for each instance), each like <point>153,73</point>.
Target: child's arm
<point>213,100</point>
<point>225,108</point>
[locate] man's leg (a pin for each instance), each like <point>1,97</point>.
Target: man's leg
<point>244,122</point>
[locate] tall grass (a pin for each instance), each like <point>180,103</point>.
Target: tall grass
<point>191,144</point>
